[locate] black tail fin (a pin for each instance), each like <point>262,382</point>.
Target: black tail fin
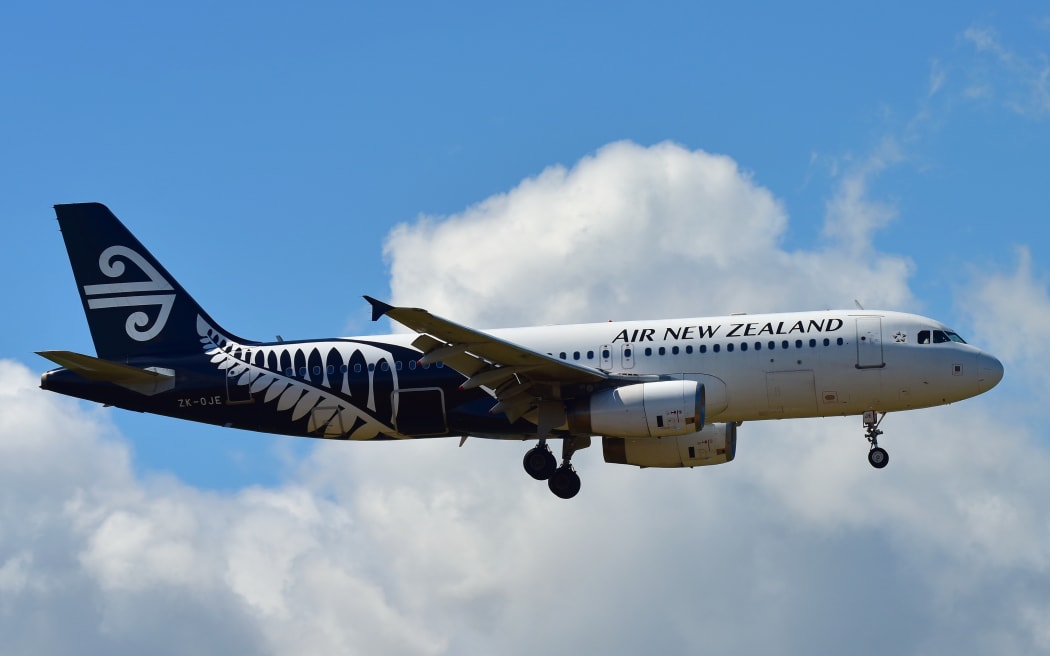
<point>134,307</point>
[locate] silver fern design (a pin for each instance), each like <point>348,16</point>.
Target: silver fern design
<point>333,385</point>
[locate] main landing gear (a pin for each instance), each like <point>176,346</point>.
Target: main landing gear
<point>877,456</point>
<point>540,464</point>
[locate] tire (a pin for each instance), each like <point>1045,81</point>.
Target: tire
<point>539,463</point>
<point>565,482</point>
<point>878,457</point>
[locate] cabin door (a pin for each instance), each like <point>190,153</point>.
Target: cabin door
<point>869,342</point>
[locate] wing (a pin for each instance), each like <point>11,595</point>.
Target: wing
<point>520,378</point>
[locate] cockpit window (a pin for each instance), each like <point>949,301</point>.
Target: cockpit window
<point>954,337</point>
<point>939,337</point>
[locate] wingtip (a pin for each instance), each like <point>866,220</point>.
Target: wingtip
<point>379,308</point>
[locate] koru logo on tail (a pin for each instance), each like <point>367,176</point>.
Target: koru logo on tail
<point>132,294</point>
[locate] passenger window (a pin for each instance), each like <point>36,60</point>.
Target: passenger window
<point>784,344</point>
<point>575,355</point>
<point>605,354</point>
<point>317,371</point>
<point>703,348</point>
<point>717,348</point>
<point>772,345</point>
<point>411,365</point>
<point>663,351</point>
<point>674,350</point>
<point>648,351</point>
<point>729,347</point>
<point>743,346</point>
<point>302,372</point>
<point>590,355</point>
<point>827,342</point>
<point>384,366</point>
<point>839,341</point>
<point>798,343</point>
<point>758,346</point>
<point>357,368</point>
<point>689,349</point>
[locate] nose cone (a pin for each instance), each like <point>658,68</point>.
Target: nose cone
<point>989,372</point>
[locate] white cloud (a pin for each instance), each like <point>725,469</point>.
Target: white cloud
<point>937,79</point>
<point>426,548</point>
<point>852,216</point>
<point>1012,308</point>
<point>633,232</point>
<point>1018,81</point>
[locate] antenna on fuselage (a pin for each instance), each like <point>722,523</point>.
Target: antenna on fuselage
<point>857,303</point>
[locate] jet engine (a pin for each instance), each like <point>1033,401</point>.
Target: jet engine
<point>713,445</point>
<point>643,410</point>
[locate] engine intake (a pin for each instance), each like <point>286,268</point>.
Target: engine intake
<point>714,445</point>
<point>645,410</point>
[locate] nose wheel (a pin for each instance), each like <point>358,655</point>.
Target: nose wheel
<point>877,456</point>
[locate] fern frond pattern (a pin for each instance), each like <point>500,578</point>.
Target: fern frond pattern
<point>341,389</point>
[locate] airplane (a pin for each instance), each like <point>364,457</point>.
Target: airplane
<point>659,393</point>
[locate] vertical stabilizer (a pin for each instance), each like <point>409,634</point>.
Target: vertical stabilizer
<point>134,307</point>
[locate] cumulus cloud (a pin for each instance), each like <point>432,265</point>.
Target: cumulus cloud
<point>632,232</point>
<point>95,560</point>
<point>426,548</point>
<point>423,547</point>
<point>1001,298</point>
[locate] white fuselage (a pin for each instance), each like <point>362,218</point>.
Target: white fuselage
<point>772,366</point>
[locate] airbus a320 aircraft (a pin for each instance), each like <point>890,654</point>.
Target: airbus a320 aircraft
<point>660,393</point>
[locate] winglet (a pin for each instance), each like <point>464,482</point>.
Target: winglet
<point>379,308</point>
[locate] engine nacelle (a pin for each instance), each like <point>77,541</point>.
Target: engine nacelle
<point>647,410</point>
<point>714,445</point>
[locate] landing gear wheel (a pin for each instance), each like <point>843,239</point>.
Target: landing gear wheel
<point>564,482</point>
<point>878,457</point>
<point>539,462</point>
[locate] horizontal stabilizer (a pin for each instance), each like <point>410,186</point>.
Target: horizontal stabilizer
<point>149,381</point>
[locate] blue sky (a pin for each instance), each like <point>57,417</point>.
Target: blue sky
<point>282,161</point>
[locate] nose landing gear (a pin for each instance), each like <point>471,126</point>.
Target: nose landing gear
<point>877,456</point>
